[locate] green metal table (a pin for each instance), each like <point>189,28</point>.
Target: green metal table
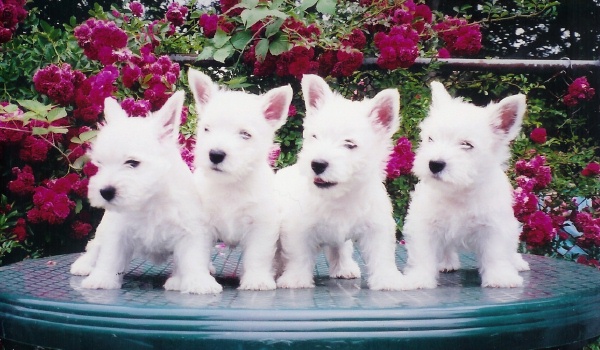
<point>42,304</point>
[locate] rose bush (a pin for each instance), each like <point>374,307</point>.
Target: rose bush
<point>54,82</point>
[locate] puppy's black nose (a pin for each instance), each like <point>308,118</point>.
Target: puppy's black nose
<point>108,193</point>
<point>436,166</point>
<point>216,156</point>
<point>319,166</point>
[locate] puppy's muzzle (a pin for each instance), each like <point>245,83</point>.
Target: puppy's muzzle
<point>108,193</point>
<point>436,166</point>
<point>216,156</point>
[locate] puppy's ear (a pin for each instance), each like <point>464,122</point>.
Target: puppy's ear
<point>169,116</point>
<point>315,91</point>
<point>439,94</point>
<point>507,116</point>
<point>113,110</point>
<point>384,111</point>
<point>276,104</point>
<point>202,87</point>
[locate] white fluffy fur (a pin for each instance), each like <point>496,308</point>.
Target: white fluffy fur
<point>345,202</point>
<point>464,198</point>
<point>237,191</point>
<point>153,212</point>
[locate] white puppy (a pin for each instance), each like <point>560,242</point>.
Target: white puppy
<point>464,198</point>
<point>144,186</point>
<point>335,193</point>
<point>234,137</point>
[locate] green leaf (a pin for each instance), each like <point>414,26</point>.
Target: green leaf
<point>274,27</point>
<point>249,4</point>
<point>46,27</point>
<point>279,45</point>
<point>261,49</point>
<point>221,38</point>
<point>35,106</point>
<point>58,129</point>
<point>9,108</point>
<point>306,4</point>
<point>326,6</point>
<point>207,53</point>
<point>55,114</point>
<point>39,131</point>
<point>223,53</point>
<point>251,16</point>
<point>240,40</point>
<point>88,135</point>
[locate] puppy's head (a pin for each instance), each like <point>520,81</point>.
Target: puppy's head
<point>461,142</point>
<point>345,142</point>
<point>134,155</point>
<point>235,130</point>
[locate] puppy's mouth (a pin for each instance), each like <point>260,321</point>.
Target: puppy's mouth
<point>320,183</point>
<point>216,168</point>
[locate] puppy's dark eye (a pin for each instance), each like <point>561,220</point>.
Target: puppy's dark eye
<point>132,163</point>
<point>430,139</point>
<point>314,136</point>
<point>349,144</point>
<point>466,145</point>
<point>206,129</point>
<point>245,135</point>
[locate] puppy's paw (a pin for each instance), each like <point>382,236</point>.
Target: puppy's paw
<point>449,264</point>
<point>501,279</point>
<point>211,268</point>
<point>257,281</point>
<point>520,264</point>
<point>197,285</point>
<point>348,271</point>
<point>101,281</point>
<point>293,281</point>
<point>419,280</point>
<point>392,281</point>
<point>81,266</point>
<point>173,283</point>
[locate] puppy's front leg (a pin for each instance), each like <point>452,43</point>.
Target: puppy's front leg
<point>259,247</point>
<point>191,260</point>
<point>378,249</point>
<point>114,253</point>
<point>299,254</point>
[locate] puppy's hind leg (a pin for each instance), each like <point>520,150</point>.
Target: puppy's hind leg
<point>341,263</point>
<point>449,260</point>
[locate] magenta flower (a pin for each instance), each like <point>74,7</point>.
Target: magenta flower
<point>592,169</point>
<point>100,39</point>
<point>538,135</point>
<point>398,48</point>
<point>274,154</point>
<point>208,23</point>
<point>401,160</point>
<point>23,184</point>
<point>535,170</point>
<point>34,149</point>
<point>176,14</point>
<point>80,229</point>
<point>579,90</point>
<point>538,230</point>
<point>59,83</point>
<point>460,37</point>
<point>136,8</point>
<point>134,108</point>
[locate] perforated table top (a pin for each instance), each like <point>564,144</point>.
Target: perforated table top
<point>42,304</point>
